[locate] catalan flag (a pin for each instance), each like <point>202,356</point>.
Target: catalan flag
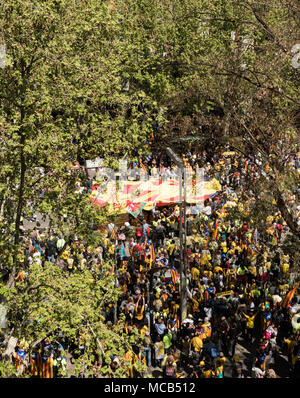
<point>18,358</point>
<point>172,287</point>
<point>47,367</point>
<point>36,364</point>
<point>173,323</point>
<point>288,298</point>
<point>206,296</point>
<point>150,251</point>
<point>128,357</point>
<point>174,275</point>
<point>164,296</point>
<point>215,228</point>
<point>143,167</point>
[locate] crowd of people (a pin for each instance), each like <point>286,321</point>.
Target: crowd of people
<point>240,288</point>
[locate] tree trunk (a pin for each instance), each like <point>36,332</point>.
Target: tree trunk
<point>287,216</point>
<point>19,210</point>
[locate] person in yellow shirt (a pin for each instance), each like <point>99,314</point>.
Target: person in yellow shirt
<point>285,258</point>
<point>250,325</point>
<point>197,343</point>
<point>144,329</point>
<point>207,372</point>
<point>207,327</point>
<point>207,273</point>
<point>268,264</point>
<point>218,269</point>
<point>290,343</point>
<point>196,303</point>
<point>224,246</point>
<point>285,268</point>
<point>21,276</point>
<point>195,274</point>
<point>219,370</point>
<point>204,243</point>
<point>252,272</point>
<point>111,250</point>
<point>205,257</point>
<point>221,359</point>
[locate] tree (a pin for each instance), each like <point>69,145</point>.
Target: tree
<point>54,301</point>
<point>233,83</point>
<point>62,99</point>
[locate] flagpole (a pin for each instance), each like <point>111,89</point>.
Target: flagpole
<point>183,290</point>
<point>181,247</point>
<point>183,259</point>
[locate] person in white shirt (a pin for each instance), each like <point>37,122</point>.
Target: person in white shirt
<point>207,210</point>
<point>60,243</point>
<point>257,373</point>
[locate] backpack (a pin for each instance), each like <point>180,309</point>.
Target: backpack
<point>213,352</point>
<point>170,371</point>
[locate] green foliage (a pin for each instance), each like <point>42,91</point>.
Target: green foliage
<point>85,80</point>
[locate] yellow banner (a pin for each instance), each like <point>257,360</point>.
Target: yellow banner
<point>227,293</point>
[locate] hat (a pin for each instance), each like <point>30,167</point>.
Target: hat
<point>202,363</point>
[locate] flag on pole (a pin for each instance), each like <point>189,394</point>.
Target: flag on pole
<point>135,208</point>
<point>287,299</point>
<point>150,251</point>
<point>143,167</point>
<point>174,275</point>
<point>215,229</point>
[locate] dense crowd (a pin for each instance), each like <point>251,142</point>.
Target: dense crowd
<point>240,289</point>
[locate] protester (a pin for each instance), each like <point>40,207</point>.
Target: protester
<point>234,278</point>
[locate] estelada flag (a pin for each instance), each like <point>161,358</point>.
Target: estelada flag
<point>287,299</point>
<point>47,367</point>
<point>215,230</point>
<point>149,244</point>
<point>174,275</point>
<point>18,358</point>
<point>36,364</point>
